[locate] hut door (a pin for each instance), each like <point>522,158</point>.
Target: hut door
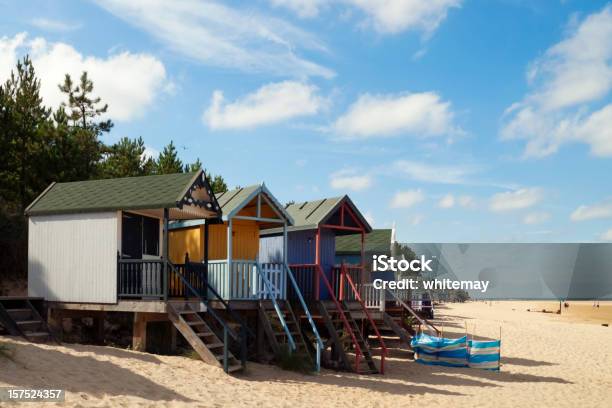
<point>131,236</point>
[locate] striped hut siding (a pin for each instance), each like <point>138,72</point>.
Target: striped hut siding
<point>73,257</point>
<point>301,249</point>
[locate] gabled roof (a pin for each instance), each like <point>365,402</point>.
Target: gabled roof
<point>379,240</point>
<point>231,202</point>
<point>129,193</point>
<point>309,215</point>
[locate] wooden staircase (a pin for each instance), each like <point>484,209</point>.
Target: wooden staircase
<point>344,331</point>
<point>275,331</point>
<point>390,328</point>
<point>202,338</point>
<point>20,318</point>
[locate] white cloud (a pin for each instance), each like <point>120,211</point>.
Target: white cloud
<point>466,201</point>
<point>150,153</point>
<point>385,16</point>
<point>515,200</point>
<point>128,82</point>
<point>407,199</point>
<point>303,8</point>
<point>421,114</point>
<point>416,219</point>
<point>448,201</point>
<point>432,173</point>
<point>53,25</point>
<point>592,212</point>
<point>394,16</point>
<point>536,218</point>
<point>567,81</point>
<point>350,180</point>
<point>272,103</point>
<point>607,236</point>
<point>218,35</point>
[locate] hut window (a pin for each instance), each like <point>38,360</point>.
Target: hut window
<point>140,236</point>
<point>150,236</point>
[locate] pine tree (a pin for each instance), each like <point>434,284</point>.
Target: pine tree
<point>193,167</point>
<point>125,159</point>
<point>83,109</point>
<point>168,161</point>
<point>23,124</point>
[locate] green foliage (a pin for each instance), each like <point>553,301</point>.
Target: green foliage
<point>460,296</point>
<point>23,124</point>
<point>217,183</point>
<point>126,159</point>
<point>168,161</point>
<point>39,145</point>
<point>294,361</point>
<point>403,251</point>
<point>82,107</point>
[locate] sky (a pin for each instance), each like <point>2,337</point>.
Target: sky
<point>455,120</point>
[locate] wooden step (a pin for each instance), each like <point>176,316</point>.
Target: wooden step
<point>27,321</point>
<point>37,334</point>
<point>282,333</point>
<point>234,368</point>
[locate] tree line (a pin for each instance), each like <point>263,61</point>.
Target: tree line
<point>39,145</point>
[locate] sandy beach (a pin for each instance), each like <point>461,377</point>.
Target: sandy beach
<point>548,360</point>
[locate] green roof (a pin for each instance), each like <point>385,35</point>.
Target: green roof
<point>230,200</point>
<point>310,214</point>
<point>128,193</point>
<point>379,240</point>
<point>233,200</point>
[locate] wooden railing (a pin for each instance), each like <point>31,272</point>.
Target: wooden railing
<point>245,279</point>
<point>195,275</point>
<point>372,298</point>
<point>342,288</point>
<point>383,349</point>
<point>305,279</point>
<point>241,336</point>
<point>140,278</point>
<point>297,293</point>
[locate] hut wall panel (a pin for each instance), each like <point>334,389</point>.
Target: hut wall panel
<point>245,241</point>
<point>187,240</point>
<point>328,257</point>
<point>301,247</point>
<point>271,249</point>
<point>73,258</point>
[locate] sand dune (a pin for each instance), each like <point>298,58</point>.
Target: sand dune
<point>547,359</point>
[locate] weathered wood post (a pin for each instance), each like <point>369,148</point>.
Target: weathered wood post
<point>230,271</point>
<point>165,253</point>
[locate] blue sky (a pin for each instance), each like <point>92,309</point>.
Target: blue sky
<point>460,121</point>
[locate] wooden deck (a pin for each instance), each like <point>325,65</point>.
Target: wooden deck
<point>140,306</point>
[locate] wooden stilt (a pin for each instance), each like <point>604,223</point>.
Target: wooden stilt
<point>139,336</point>
<point>99,327</point>
<point>54,322</point>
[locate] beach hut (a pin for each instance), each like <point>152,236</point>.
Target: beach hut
<point>377,242</point>
<point>331,289</point>
<point>235,272</point>
<point>102,246</point>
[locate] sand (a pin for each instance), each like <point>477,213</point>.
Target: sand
<point>548,360</point>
